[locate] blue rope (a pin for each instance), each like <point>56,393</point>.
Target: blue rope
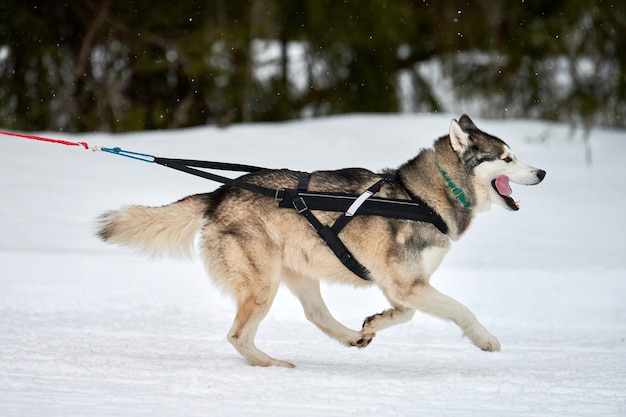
<point>129,154</point>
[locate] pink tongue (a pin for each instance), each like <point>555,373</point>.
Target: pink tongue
<point>502,184</point>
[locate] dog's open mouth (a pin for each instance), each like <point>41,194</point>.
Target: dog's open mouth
<point>503,188</point>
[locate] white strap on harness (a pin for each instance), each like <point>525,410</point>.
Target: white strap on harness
<point>358,203</point>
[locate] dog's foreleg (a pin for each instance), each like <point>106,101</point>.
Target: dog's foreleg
<point>308,292</point>
<point>427,299</point>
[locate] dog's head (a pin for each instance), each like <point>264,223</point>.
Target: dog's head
<point>492,162</point>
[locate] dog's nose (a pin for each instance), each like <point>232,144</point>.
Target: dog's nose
<point>541,174</point>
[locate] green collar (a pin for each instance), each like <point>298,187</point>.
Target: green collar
<point>458,193</point>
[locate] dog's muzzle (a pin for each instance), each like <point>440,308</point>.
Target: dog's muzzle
<point>501,184</point>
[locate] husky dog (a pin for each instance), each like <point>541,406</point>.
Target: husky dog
<point>249,245</point>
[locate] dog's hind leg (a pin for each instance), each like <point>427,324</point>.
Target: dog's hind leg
<point>251,309</point>
<point>248,272</point>
<point>308,292</point>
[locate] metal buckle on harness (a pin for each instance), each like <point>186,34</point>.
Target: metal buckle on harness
<point>300,205</point>
<point>279,195</point>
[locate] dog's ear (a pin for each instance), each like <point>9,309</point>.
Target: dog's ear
<point>459,140</point>
<point>466,123</point>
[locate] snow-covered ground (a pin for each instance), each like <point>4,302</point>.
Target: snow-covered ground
<point>88,329</point>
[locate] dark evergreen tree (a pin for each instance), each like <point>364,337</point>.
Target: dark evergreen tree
<point>131,65</point>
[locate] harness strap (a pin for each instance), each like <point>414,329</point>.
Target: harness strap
<point>329,235</point>
<point>303,180</point>
<point>190,166</point>
<point>430,214</point>
<point>415,209</point>
<point>348,215</point>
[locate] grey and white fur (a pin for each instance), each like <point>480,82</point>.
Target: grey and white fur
<point>250,246</point>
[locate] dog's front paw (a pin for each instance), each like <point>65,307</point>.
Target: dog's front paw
<point>482,338</point>
<point>487,342</point>
<point>364,340</point>
<point>491,344</point>
<point>368,323</point>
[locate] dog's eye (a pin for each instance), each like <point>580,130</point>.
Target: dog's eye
<point>507,159</point>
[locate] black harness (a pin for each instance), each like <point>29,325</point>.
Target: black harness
<point>305,202</point>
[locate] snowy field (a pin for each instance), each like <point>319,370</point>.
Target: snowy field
<point>88,329</point>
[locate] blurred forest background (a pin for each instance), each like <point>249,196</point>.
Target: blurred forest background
<point>135,64</point>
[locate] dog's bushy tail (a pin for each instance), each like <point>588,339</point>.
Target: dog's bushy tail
<point>165,230</point>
